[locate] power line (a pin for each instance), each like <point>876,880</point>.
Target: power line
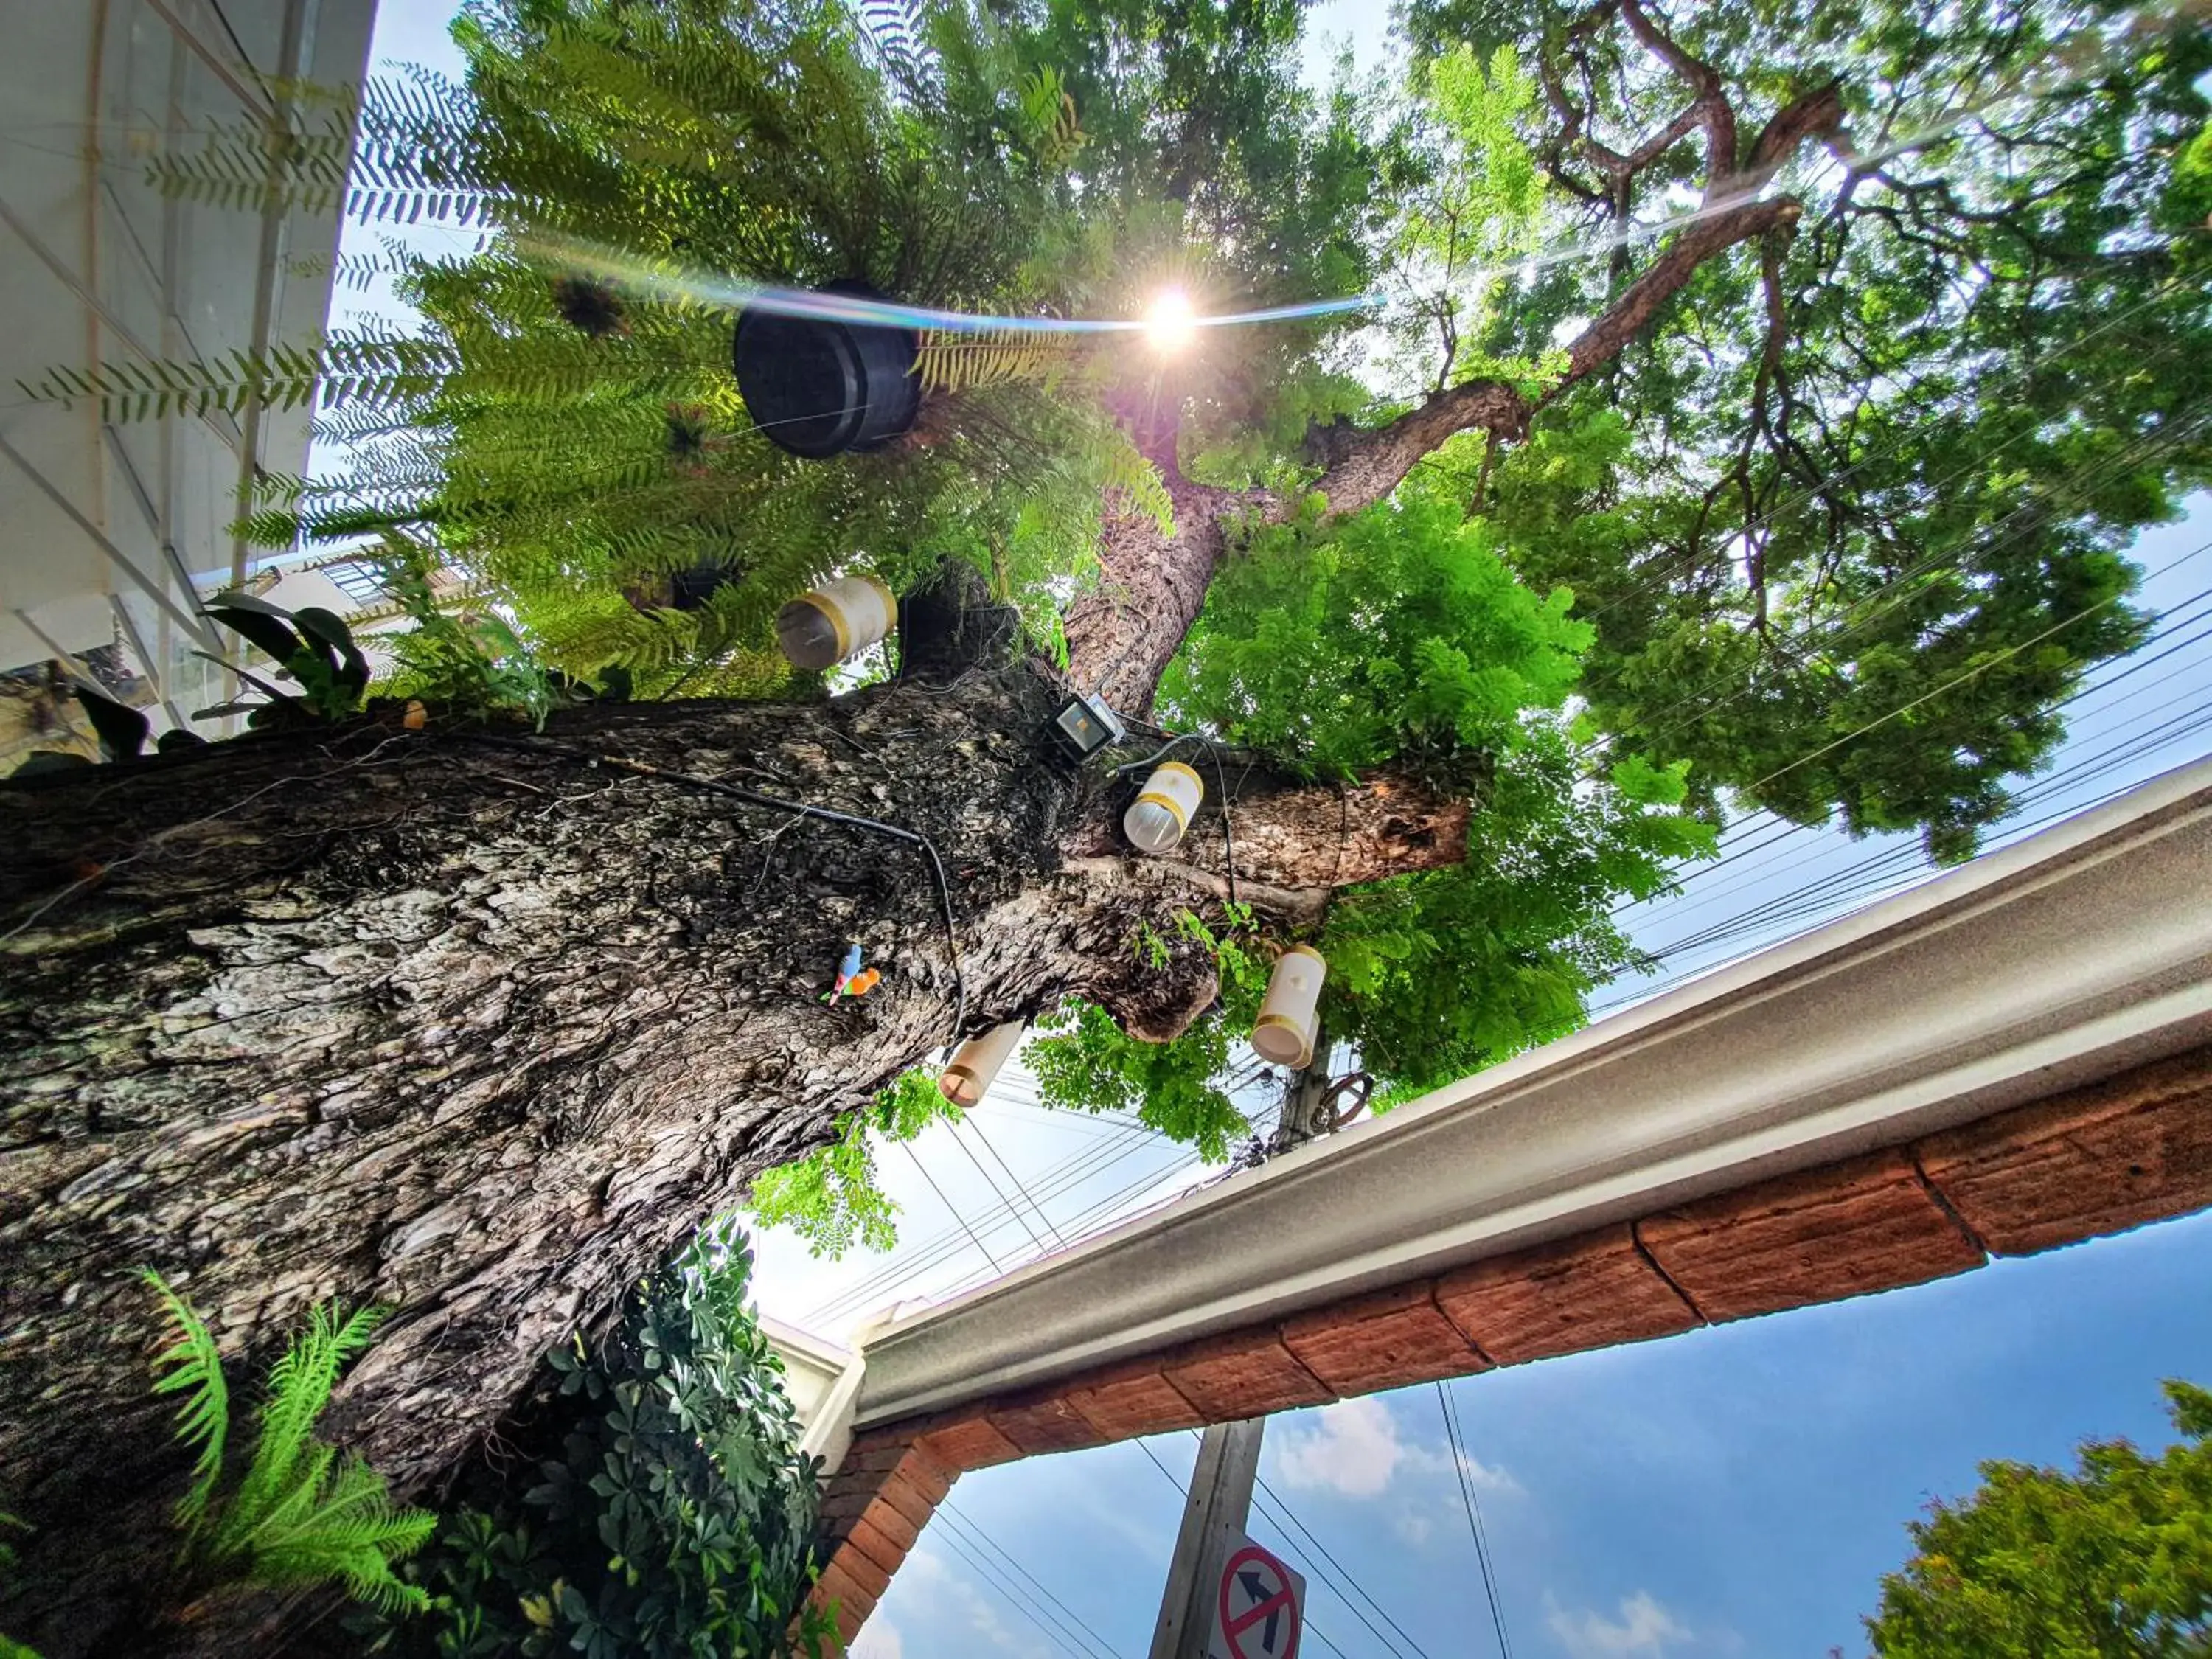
<point>1005,1203</point>
<point>1774,831</point>
<point>1307,1620</point>
<point>1459,1457</point>
<point>1089,1640</point>
<point>1266,1495</point>
<point>1061,1638</point>
<point>947,1202</point>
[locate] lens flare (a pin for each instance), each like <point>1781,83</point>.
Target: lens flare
<point>1171,324</point>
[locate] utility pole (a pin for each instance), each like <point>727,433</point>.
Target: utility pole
<point>1220,1501</point>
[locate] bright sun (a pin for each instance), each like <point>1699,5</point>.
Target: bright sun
<point>1170,323</point>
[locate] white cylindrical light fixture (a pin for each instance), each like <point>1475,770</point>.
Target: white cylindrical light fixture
<point>1283,1035</point>
<point>977,1063</point>
<point>1156,820</point>
<point>822,629</point>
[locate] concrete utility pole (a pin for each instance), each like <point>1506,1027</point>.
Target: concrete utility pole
<point>1229,1457</point>
<point>1220,1500</point>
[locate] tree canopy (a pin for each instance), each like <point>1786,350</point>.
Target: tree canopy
<point>2112,1559</point>
<point>1747,408</point>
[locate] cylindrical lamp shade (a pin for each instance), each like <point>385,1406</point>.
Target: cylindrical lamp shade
<point>822,629</point>
<point>977,1062</point>
<point>1156,820</point>
<point>821,385</point>
<point>1283,1035</point>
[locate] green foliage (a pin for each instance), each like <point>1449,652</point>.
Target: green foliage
<point>300,1514</point>
<point>1438,974</point>
<point>668,1513</point>
<point>312,647</point>
<point>1474,200</point>
<point>1904,442</point>
<point>1086,1062</point>
<point>474,664</point>
<point>830,1197</point>
<point>2112,1559</point>
<point>1400,635</point>
<point>10,1648</point>
<point>1395,631</point>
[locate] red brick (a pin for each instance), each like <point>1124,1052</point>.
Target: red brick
<point>1869,1224</point>
<point>915,1502</point>
<point>882,1457</point>
<point>887,1520</point>
<point>1042,1421</point>
<point>853,1598</point>
<point>872,1578</point>
<point>2135,1148</point>
<point>1382,1340</point>
<point>1247,1373</point>
<point>1592,1290</point>
<point>1132,1399</point>
<point>870,1542</point>
<point>966,1440</point>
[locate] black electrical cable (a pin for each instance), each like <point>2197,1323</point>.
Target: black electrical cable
<point>1460,1458</point>
<point>755,797</point>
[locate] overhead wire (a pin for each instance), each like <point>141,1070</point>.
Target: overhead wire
<point>1764,831</point>
<point>1092,1644</point>
<point>2042,787</point>
<point>1319,1634</point>
<point>973,1237</point>
<point>906,1265</point>
<point>1456,1439</point>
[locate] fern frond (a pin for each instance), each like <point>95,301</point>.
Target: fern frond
<point>959,363</point>
<point>193,1366</point>
<point>300,1387</point>
<point>343,1525</point>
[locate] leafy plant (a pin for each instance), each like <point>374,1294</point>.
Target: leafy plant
<point>475,664</point>
<point>670,1514</point>
<point>2111,1557</point>
<point>300,1513</point>
<point>313,648</point>
<point>1083,1061</point>
<point>829,1197</point>
<point>10,1648</point>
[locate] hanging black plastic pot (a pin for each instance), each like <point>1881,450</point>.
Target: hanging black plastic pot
<point>820,387</point>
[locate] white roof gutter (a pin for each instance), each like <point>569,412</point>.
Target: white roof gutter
<point>2076,953</point>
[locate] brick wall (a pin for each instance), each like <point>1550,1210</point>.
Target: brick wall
<point>2092,1161</point>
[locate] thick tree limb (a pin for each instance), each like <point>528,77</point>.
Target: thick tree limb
<point>1121,638</point>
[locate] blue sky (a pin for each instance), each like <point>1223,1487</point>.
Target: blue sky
<point>1731,1492</point>
<point>1735,1491</point>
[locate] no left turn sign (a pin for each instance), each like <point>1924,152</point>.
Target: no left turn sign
<point>1260,1609</point>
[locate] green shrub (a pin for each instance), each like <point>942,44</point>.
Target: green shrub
<point>669,1512</point>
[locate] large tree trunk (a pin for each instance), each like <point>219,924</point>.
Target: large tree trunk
<point>467,1024</point>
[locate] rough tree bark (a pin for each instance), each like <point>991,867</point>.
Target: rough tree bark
<point>478,1026</point>
<point>470,1025</point>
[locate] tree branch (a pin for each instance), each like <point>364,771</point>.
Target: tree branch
<point>1709,102</point>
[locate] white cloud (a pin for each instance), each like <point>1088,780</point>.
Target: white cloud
<point>1414,1528</point>
<point>957,1596</point>
<point>1644,1631</point>
<point>1351,1448</point>
<point>1483,1477</point>
<point>878,1639</point>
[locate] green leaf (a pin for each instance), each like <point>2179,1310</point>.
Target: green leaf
<point>122,729</point>
<point>191,1365</point>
